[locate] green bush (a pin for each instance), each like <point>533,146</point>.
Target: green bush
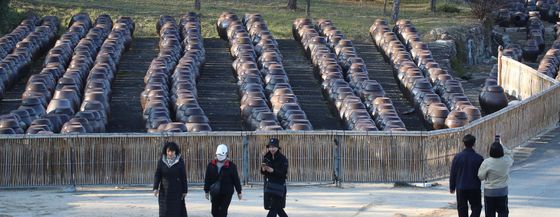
<point>448,8</point>
<point>4,9</point>
<point>8,17</point>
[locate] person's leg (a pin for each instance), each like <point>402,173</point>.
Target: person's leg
<point>225,205</point>
<point>489,206</point>
<point>502,206</point>
<point>215,206</point>
<point>475,202</point>
<point>272,213</point>
<point>282,213</point>
<point>462,207</point>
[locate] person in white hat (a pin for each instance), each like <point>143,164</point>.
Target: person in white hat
<point>220,180</point>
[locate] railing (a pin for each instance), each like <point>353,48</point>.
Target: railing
<point>314,156</point>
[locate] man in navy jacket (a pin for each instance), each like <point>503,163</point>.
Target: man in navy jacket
<point>464,180</point>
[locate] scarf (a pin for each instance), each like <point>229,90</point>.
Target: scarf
<point>170,161</point>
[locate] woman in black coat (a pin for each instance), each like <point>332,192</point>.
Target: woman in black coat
<point>274,167</point>
<point>223,170</point>
<point>170,182</point>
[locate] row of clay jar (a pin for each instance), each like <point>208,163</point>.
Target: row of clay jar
<point>94,112</point>
<point>443,84</point>
<point>256,113</point>
<point>355,73</point>
<point>67,95</point>
<point>351,110</point>
<point>184,96</point>
<point>181,71</point>
<point>40,88</point>
<point>37,39</point>
<point>283,101</point>
<point>416,87</point>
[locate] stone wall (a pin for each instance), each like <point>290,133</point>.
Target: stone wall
<point>472,45</point>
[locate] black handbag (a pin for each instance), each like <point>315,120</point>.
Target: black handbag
<point>216,187</point>
<point>275,188</point>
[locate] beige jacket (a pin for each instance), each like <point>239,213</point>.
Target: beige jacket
<point>495,171</point>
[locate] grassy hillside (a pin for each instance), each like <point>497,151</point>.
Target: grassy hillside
<point>352,17</point>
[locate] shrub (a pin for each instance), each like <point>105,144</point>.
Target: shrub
<point>481,9</point>
<point>448,8</point>
<point>4,10</point>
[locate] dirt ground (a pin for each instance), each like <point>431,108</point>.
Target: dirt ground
<point>534,191</point>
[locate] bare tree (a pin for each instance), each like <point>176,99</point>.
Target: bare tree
<point>396,9</point>
<point>308,8</point>
<point>481,9</point>
<point>384,7</point>
<point>433,6</point>
<point>292,4</point>
<point>197,5</point>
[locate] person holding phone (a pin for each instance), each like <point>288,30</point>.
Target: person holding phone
<point>274,167</point>
<point>494,171</point>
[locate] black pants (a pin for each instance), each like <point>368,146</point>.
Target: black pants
<point>220,205</point>
<point>496,204</point>
<point>472,197</point>
<point>273,212</point>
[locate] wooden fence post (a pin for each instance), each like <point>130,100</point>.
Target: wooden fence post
<point>337,165</point>
<point>246,162</point>
<point>500,50</point>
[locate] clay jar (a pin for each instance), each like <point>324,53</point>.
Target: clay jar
<point>492,98</point>
<point>456,119</point>
<point>503,18</point>
<point>437,113</point>
<point>519,19</point>
<point>531,50</point>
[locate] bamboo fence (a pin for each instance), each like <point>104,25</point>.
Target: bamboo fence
<point>314,156</point>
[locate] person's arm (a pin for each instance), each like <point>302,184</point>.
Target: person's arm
<point>453,175</point>
<point>207,179</point>
<point>183,177</point>
<point>508,154</point>
<point>157,177</point>
<point>263,170</point>
<point>483,171</point>
<point>281,171</point>
<point>236,181</point>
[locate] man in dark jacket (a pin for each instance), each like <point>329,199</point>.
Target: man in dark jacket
<point>464,179</point>
<point>274,167</point>
<point>223,170</point>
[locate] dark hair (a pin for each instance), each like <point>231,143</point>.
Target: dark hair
<point>469,140</point>
<point>496,150</point>
<point>171,146</point>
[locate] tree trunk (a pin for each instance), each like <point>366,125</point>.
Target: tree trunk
<point>292,4</point>
<point>384,7</point>
<point>433,6</point>
<point>308,8</point>
<point>197,5</point>
<point>396,8</point>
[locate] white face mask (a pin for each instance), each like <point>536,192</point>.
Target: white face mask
<point>221,157</point>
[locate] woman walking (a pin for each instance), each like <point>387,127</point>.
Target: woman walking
<point>494,171</point>
<point>170,182</point>
<point>220,179</point>
<point>274,167</point>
